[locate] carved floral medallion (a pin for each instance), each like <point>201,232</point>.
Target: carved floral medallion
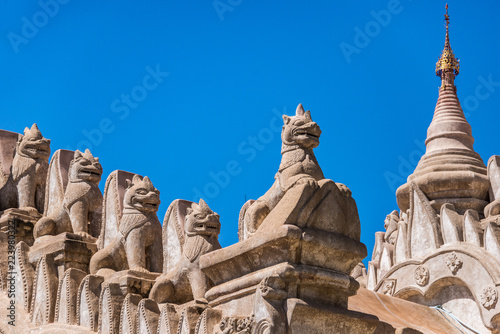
<point>421,275</point>
<point>489,297</point>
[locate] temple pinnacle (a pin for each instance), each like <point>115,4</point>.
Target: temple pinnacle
<point>447,67</point>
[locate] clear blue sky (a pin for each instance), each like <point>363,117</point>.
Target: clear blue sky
<point>223,71</point>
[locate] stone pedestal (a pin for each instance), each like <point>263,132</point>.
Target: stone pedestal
<point>23,221</point>
<point>293,279</point>
<point>67,249</point>
<point>131,281</point>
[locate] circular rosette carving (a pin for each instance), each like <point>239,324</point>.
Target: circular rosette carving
<point>421,275</point>
<point>489,297</point>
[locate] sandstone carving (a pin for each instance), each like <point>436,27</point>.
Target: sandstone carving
<point>421,275</point>
<point>25,186</point>
<point>79,210</point>
<point>232,325</point>
<point>489,297</point>
<point>454,263</point>
<point>138,243</point>
<point>196,229</point>
<point>388,287</point>
<point>391,227</point>
<point>300,179</point>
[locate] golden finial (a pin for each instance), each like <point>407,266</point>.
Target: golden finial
<point>447,60</point>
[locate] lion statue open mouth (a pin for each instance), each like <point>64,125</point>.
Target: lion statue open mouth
<point>82,201</point>
<point>25,187</point>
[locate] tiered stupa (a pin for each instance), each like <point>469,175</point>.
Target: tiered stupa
<point>443,248</point>
<point>450,171</point>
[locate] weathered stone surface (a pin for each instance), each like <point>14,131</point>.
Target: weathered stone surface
<point>44,292</point>
<point>128,315</point>
<point>169,319</point>
<point>22,178</point>
<point>24,278</point>
<point>23,221</point>
<point>194,229</point>
<point>137,241</point>
<point>148,314</point>
<point>304,318</point>
<point>189,319</point>
<point>89,294</point>
<point>75,201</point>
<point>399,316</point>
<point>209,322</point>
<point>110,304</point>
<point>66,303</point>
<point>67,249</point>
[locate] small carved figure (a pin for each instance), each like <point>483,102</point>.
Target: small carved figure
<point>391,227</point>
<point>25,187</point>
<point>82,200</point>
<point>185,280</point>
<point>138,244</point>
<point>388,287</point>
<point>454,263</point>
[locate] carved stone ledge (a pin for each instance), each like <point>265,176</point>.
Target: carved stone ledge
<point>324,251</point>
<point>67,249</point>
<point>24,221</point>
<point>132,281</point>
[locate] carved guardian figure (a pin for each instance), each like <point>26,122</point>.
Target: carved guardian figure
<point>138,244</point>
<point>300,135</point>
<point>25,187</point>
<point>82,200</point>
<point>185,280</point>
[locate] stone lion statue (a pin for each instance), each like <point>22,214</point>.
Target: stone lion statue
<point>190,230</point>
<point>300,194</point>
<point>138,243</point>
<point>81,204</point>
<point>25,186</point>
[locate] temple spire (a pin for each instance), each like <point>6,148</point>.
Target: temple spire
<point>450,171</point>
<point>447,67</point>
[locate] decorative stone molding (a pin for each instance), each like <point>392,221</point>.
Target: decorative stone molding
<point>489,297</point>
<point>421,275</point>
<point>454,263</point>
<point>389,287</point>
<point>233,325</point>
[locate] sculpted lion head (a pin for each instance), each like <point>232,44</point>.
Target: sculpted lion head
<point>32,144</point>
<point>300,129</point>
<point>84,167</point>
<point>142,195</point>
<point>201,220</point>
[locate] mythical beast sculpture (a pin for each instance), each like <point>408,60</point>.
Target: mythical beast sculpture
<point>79,204</point>
<point>138,243</point>
<point>190,230</point>
<point>312,201</point>
<point>25,186</point>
